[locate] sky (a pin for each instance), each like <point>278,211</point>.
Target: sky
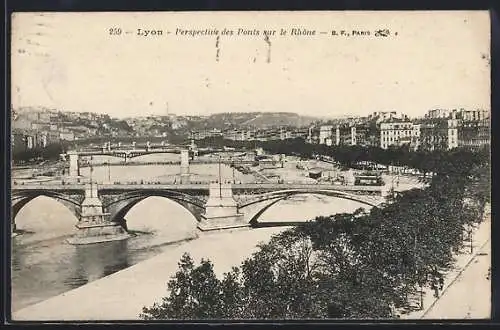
<point>71,62</point>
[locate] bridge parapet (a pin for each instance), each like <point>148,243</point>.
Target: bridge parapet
<point>238,188</point>
<point>110,197</point>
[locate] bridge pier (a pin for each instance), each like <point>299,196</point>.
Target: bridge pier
<point>194,149</point>
<point>349,178</point>
<point>74,164</point>
<point>185,166</point>
<point>94,226</point>
<point>221,210</point>
<point>13,228</point>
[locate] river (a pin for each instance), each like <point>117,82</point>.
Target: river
<point>44,265</point>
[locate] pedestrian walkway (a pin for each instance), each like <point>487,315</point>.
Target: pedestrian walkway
<point>469,296</point>
<point>458,299</point>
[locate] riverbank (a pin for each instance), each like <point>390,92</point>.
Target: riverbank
<point>122,295</point>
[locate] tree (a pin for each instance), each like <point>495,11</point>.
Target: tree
<point>49,152</point>
<point>194,294</point>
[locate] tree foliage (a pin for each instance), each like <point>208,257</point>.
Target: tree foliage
<point>49,152</point>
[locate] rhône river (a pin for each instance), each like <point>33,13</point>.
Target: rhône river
<point>44,265</point>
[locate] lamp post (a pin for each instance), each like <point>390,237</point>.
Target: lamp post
<point>470,239</point>
<point>232,162</point>
<point>109,173</point>
<point>220,176</point>
<point>91,171</point>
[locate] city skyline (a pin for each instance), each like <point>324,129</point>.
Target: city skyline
<point>398,114</point>
<point>82,68</point>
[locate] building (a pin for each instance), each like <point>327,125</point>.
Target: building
<point>439,134</point>
<point>437,113</point>
<point>415,137</point>
<point>67,136</point>
<point>345,134</point>
<point>367,134</point>
<point>18,140</point>
<point>325,132</point>
<point>22,123</point>
<point>285,133</point>
<point>200,135</point>
<point>300,133</point>
<point>53,136</point>
<point>382,116</point>
<point>445,129</point>
<point>40,126</point>
<point>30,141</point>
<point>44,117</point>
<point>473,115</point>
<point>474,134</point>
<point>41,139</point>
<point>313,134</point>
<point>395,133</point>
<point>31,115</point>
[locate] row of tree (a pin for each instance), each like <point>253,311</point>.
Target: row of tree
<point>437,161</point>
<point>49,152</point>
<point>359,265</point>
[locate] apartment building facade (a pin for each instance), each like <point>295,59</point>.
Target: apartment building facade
<point>450,129</point>
<point>395,133</point>
<point>439,134</point>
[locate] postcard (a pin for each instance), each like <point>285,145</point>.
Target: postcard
<point>250,166</point>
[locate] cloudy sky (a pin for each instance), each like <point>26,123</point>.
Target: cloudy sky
<point>69,61</point>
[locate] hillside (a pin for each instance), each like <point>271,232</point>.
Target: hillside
<point>257,120</point>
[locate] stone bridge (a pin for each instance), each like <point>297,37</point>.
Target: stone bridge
<point>215,205</point>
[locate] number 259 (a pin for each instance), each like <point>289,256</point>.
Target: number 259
<point>115,31</point>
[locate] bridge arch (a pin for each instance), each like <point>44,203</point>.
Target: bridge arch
<point>363,199</point>
<point>120,205</point>
<point>20,200</point>
<point>277,196</point>
<point>146,153</point>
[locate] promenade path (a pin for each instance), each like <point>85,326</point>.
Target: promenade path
<point>469,297</point>
<point>467,291</point>
<point>122,295</point>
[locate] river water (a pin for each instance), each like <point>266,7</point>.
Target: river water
<point>44,265</point>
